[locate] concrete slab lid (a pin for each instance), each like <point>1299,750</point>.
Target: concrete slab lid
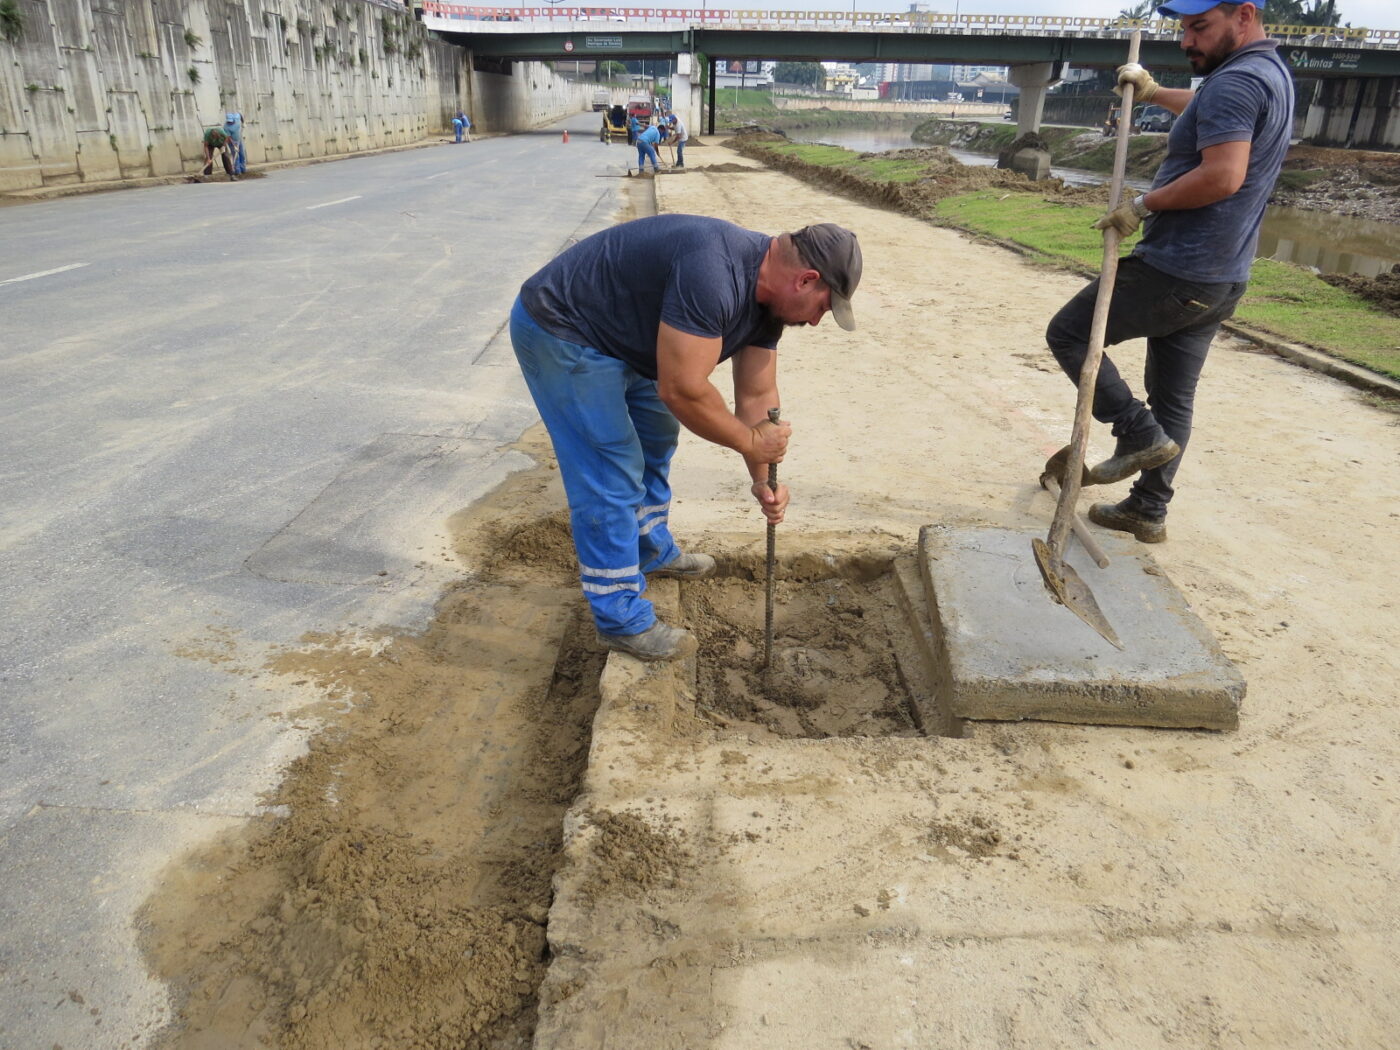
<point>1000,634</point>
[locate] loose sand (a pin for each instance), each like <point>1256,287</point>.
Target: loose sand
<point>1076,886</point>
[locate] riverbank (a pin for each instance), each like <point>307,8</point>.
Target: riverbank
<point>1052,223</point>
<point>736,109</point>
<point>1357,183</point>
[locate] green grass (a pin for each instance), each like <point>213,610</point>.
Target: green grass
<point>1301,179</point>
<point>882,169</point>
<point>744,104</point>
<point>1286,300</point>
<point>1052,232</point>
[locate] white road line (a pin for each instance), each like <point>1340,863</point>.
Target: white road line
<point>438,175</point>
<point>44,273</point>
<point>313,207</point>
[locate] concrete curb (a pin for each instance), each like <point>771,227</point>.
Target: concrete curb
<point>41,193</point>
<point>1318,361</point>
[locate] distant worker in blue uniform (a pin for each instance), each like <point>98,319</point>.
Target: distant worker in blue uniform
<point>461,126</point>
<point>1200,224</point>
<point>617,338</point>
<point>646,147</point>
<point>233,128</point>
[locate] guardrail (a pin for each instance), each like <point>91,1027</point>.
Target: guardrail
<point>906,22</point>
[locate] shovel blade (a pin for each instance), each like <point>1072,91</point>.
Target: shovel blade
<point>1071,591</point>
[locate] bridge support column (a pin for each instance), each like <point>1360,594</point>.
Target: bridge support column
<point>1034,79</point>
<point>685,99</point>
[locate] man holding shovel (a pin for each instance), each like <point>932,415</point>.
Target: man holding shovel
<point>617,338</point>
<point>1185,276</point>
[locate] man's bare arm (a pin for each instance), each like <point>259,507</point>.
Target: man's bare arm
<point>755,390</point>
<point>1219,175</point>
<point>1174,99</point>
<point>683,367</point>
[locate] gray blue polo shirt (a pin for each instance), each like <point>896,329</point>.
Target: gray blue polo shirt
<point>1248,98</point>
<point>611,291</point>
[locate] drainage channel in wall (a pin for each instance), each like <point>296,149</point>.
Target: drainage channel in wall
<point>847,660</point>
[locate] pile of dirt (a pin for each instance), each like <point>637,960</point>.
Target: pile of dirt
<point>943,175</point>
<point>1382,290</point>
<point>1357,183</point>
<point>726,168</point>
<point>400,898</point>
<point>633,858</point>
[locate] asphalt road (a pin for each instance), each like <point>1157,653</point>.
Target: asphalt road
<point>232,414</point>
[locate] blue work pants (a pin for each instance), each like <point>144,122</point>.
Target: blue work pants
<point>614,439</point>
<point>645,150</point>
<point>680,153</point>
<point>1179,318</point>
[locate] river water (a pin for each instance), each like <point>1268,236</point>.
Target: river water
<point>1328,243</point>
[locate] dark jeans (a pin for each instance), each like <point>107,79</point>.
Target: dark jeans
<point>1179,319</point>
<point>223,154</point>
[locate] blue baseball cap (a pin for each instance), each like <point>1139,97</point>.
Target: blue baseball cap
<point>1187,8</point>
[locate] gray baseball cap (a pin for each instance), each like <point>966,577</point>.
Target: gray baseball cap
<point>833,252</point>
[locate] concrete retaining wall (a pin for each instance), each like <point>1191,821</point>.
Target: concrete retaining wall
<point>1361,114</point>
<point>102,90</point>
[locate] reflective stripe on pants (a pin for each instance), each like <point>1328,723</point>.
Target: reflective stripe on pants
<point>614,438</point>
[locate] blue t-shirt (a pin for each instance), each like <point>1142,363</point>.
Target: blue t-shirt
<point>651,136</point>
<point>1248,98</point>
<point>611,291</point>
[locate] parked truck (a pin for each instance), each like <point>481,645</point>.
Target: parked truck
<point>601,99</point>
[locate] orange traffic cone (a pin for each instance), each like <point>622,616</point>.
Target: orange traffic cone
<point>566,136</point>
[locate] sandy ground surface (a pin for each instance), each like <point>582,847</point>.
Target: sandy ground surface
<point>781,870</point>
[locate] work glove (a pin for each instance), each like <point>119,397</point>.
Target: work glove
<point>1144,87</point>
<point>1127,217</point>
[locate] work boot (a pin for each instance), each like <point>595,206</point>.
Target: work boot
<point>1128,460</point>
<point>1126,517</point>
<point>658,642</point>
<point>687,567</point>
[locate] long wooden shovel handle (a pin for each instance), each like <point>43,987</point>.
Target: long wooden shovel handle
<point>1089,374</point>
<point>771,563</point>
<point>1086,538</point>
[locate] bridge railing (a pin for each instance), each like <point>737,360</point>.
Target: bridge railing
<point>1340,37</point>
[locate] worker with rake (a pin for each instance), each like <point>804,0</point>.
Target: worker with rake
<point>1200,228</point>
<point>617,338</point>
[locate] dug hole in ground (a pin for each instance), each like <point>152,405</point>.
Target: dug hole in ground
<point>467,860</point>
